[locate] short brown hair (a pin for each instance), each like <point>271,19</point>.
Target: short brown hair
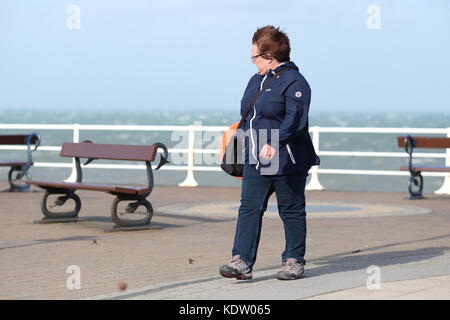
<point>271,40</point>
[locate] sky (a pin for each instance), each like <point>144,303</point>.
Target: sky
<point>357,55</point>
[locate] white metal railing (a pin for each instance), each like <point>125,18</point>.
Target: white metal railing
<point>190,167</point>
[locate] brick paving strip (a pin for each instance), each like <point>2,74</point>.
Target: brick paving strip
<point>186,250</point>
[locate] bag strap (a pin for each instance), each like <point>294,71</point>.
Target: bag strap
<point>275,76</point>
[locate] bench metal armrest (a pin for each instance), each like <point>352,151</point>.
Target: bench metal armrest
<point>29,151</point>
<point>165,155</point>
<point>163,160</point>
<point>410,144</point>
<point>78,164</point>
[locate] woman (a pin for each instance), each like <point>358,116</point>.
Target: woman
<point>279,154</point>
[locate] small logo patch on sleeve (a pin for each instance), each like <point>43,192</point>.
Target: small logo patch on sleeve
<point>298,94</point>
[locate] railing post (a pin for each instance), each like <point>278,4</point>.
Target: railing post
<point>445,188</point>
<point>76,139</point>
<point>314,183</point>
<point>189,181</point>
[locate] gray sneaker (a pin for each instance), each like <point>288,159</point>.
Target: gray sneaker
<point>236,268</point>
<point>292,270</point>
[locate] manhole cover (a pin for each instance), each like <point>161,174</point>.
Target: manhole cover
<point>313,210</point>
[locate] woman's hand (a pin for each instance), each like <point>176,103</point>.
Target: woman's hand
<point>267,152</point>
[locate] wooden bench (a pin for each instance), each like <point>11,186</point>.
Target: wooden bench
<point>416,179</point>
<point>20,166</point>
<point>93,151</point>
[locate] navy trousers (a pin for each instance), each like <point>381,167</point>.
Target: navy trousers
<point>256,190</point>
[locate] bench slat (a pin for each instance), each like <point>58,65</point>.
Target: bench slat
<point>425,168</point>
<point>427,142</point>
<point>12,164</point>
<point>16,139</point>
<point>91,186</point>
<point>109,151</point>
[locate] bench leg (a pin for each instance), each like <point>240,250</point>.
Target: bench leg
<point>416,180</point>
<point>61,200</point>
<point>131,208</point>
<point>14,187</point>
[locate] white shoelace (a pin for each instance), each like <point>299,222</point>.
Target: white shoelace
<point>237,263</point>
<point>291,265</point>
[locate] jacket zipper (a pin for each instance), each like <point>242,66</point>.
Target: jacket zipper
<point>251,127</point>
<point>251,136</point>
<point>290,153</point>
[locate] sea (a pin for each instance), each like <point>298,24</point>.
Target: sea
<point>380,142</point>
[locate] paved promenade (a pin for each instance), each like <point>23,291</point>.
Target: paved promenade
<point>354,238</point>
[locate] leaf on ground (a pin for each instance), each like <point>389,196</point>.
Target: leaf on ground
<point>122,286</point>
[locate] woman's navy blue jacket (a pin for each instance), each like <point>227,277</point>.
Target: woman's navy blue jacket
<point>283,105</point>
